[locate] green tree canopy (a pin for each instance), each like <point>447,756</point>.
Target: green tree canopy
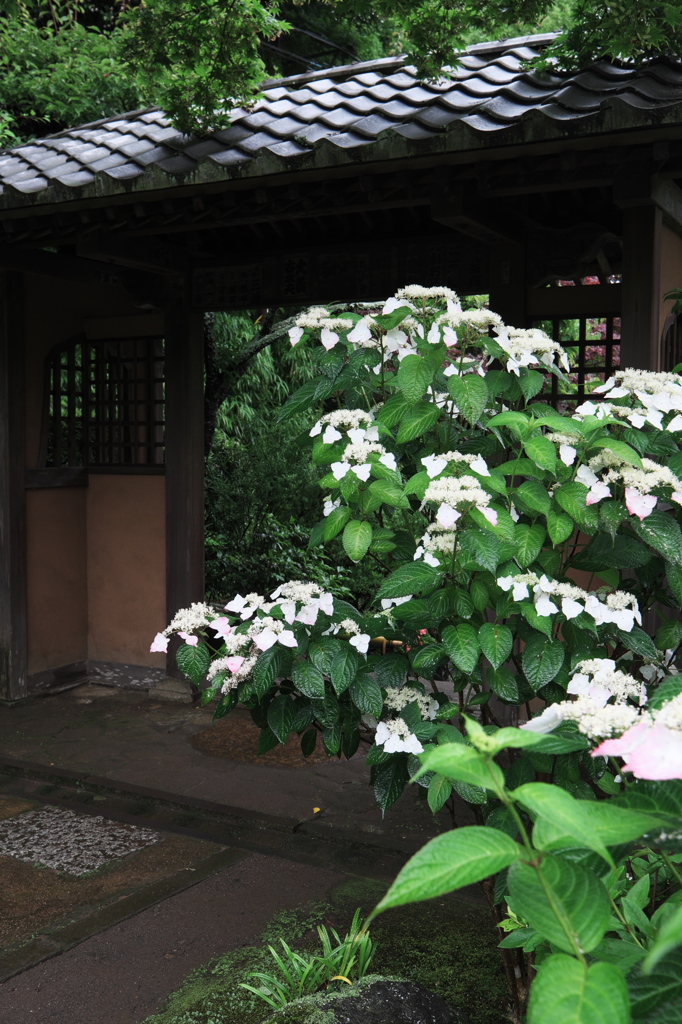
<point>69,61</point>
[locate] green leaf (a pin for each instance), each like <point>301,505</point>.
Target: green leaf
<point>541,660</point>
<point>267,669</point>
<point>530,382</point>
<point>266,741</point>
<point>335,521</point>
<point>662,533</point>
<point>542,452</point>
<point>462,646</point>
<point>392,411</point>
<point>621,449</point>
<point>674,576</point>
<point>470,394</point>
<point>639,642</point>
<point>520,468</point>
<point>414,578</point>
<point>668,938</point>
<point>308,742</point>
<point>559,527</point>
<point>460,762</point>
<point>281,717</point>
<point>391,669</point>
<point>331,739</point>
<point>390,493</point>
<point>564,812</point>
<point>569,905</point>
<point>365,693</point>
<point>322,651</point>
<point>390,320</point>
<point>418,420</point>
<point>471,794</point>
<point>568,992</point>
<point>449,862</point>
<point>389,781</point>
<point>414,376</point>
<point>496,642</point>
<point>535,496</point>
<point>440,789</point>
<point>417,484</point>
<point>518,422</point>
<point>308,679</point>
<point>482,547</point>
<point>528,542</point>
<point>572,497</point>
<point>193,661</point>
<point>612,552</point>
<point>357,538</point>
<point>648,992</point>
<point>343,668</point>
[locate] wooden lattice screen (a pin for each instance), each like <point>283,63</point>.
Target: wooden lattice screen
<point>593,346</point>
<point>105,404</point>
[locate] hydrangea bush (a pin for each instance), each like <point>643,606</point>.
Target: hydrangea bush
<point>505,661</point>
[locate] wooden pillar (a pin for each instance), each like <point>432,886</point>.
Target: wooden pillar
<point>642,227</point>
<point>508,282</point>
<point>184,373</point>
<point>13,643</point>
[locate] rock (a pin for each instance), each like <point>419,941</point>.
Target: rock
<point>178,690</point>
<point>376,1001</point>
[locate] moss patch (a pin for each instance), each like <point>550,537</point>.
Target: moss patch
<point>447,945</point>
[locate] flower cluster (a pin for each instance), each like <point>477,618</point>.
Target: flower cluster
<point>639,483</point>
<point>453,492</point>
<point>395,737</point>
<point>358,453</point>
<point>398,698</point>
<point>357,424</point>
<point>619,607</point>
<point>318,318</point>
<point>530,347</point>
<point>435,464</point>
<point>657,393</point>
<point>438,541</point>
<point>357,639</point>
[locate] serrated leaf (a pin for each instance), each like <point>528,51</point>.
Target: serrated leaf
<point>357,538</point>
<point>440,789</point>
<point>193,661</point>
<point>460,762</point>
<point>482,547</point>
<point>496,642</point>
<point>417,420</point>
<point>619,448</point>
<point>559,526</point>
<point>335,521</point>
<point>414,376</point>
<point>662,533</point>
<point>528,541</point>
<point>389,493</point>
<point>365,693</point>
<point>530,382</point>
<point>414,578</point>
<point>391,670</point>
<point>571,497</point>
<point>266,669</point>
<point>417,484</point>
<point>393,410</point>
<point>344,666</point>
<point>462,646</point>
<point>542,452</point>
<point>389,781</point>
<point>449,862</point>
<point>281,717</point>
<point>569,906</point>
<point>470,394</point>
<point>541,660</point>
<point>639,642</point>
<point>308,679</point>
<point>568,992</point>
<point>535,496</point>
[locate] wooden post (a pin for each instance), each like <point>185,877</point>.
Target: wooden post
<point>508,282</point>
<point>184,373</point>
<point>13,641</point>
<point>639,345</point>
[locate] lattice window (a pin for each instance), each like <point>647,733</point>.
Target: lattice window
<point>105,404</point>
<point>671,342</point>
<point>593,346</point>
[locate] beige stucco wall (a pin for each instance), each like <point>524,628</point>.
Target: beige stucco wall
<point>57,612</point>
<point>96,584</point>
<point>126,559</point>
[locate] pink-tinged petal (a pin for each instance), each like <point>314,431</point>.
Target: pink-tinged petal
<point>328,338</point>
<point>265,640</point>
<point>545,722</point>
<point>567,454</point>
<point>489,513</point>
<point>640,505</point>
<point>235,663</point>
<point>287,638</point>
<point>447,516</point>
<point>189,639</point>
<point>659,756</point>
<point>677,496</point>
<point>221,625</point>
<point>308,614</point>
<point>360,334</point>
<point>295,335</point>
<point>597,492</point>
<point>159,644</point>
<point>626,743</point>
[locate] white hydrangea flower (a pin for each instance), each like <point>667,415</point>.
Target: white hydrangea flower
<point>395,737</point>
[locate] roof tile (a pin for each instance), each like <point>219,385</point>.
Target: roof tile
<point>489,91</point>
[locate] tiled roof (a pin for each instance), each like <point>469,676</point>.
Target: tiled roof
<point>360,113</point>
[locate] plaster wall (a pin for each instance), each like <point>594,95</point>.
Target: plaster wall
<point>57,605</point>
<point>126,567</point>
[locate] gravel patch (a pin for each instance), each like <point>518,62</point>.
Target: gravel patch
<point>74,843</point>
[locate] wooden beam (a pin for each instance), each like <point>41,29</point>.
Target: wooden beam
<point>13,632</point>
<point>50,264</point>
<point>636,187</point>
<point>184,373</point>
<point>584,300</point>
<point>459,207</point>
<point>153,258</point>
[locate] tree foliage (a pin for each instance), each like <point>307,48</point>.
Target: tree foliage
<point>69,61</point>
